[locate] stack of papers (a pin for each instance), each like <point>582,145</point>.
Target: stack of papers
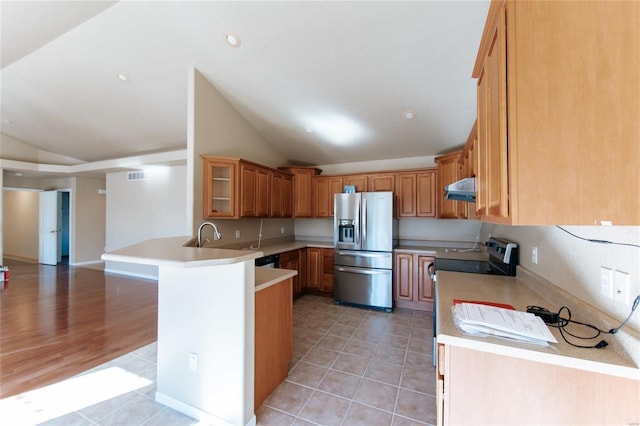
<point>485,320</point>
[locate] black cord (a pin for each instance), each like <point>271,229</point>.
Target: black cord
<point>560,322</point>
<point>592,240</point>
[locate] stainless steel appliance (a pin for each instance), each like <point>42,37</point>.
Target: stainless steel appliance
<point>503,259</point>
<point>365,234</point>
<point>270,261</point>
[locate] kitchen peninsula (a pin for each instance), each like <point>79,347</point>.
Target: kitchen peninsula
<point>206,325</point>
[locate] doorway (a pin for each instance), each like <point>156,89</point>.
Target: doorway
<point>21,217</point>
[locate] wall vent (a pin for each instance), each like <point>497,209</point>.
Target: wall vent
<point>131,176</point>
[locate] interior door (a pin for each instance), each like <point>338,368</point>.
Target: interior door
<point>50,221</point>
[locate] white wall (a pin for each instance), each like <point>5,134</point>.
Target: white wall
<point>14,149</point>
<point>87,216</point>
<point>574,265</point>
<point>141,210</point>
<point>145,209</point>
<point>378,166</point>
<point>20,224</point>
<point>215,127</point>
<point>1,215</point>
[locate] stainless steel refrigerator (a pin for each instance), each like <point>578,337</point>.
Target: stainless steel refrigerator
<point>365,233</point>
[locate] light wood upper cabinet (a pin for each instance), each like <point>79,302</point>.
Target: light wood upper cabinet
<point>447,174</point>
<point>302,199</point>
<point>467,169</point>
<point>280,194</point>
<point>558,110</point>
<point>287,196</point>
<point>416,193</point>
<point>359,181</point>
<point>255,190</point>
<point>220,188</point>
<point>426,193</point>
<point>323,189</point>
<point>381,182</point>
<point>234,188</point>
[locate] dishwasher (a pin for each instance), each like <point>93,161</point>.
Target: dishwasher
<point>271,261</point>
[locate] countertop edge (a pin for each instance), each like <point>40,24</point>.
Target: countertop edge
<point>266,277</point>
<point>560,360</point>
<point>171,251</point>
<point>619,363</point>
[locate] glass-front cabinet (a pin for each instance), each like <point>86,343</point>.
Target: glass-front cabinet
<point>220,188</point>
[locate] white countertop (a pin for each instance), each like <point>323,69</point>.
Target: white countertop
<point>171,251</point>
<point>266,277</point>
<point>446,252</point>
<point>615,359</point>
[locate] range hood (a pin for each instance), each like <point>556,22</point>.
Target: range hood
<point>462,190</point>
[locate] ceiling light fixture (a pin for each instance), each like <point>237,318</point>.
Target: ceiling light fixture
<point>409,115</point>
<point>232,40</point>
<point>6,121</point>
<point>122,77</point>
<point>309,129</point>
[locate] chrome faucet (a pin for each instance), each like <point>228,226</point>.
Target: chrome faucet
<point>216,234</point>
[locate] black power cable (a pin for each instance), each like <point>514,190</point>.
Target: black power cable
<point>593,240</point>
<point>558,321</point>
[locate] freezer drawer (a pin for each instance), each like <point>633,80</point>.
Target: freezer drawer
<point>363,259</point>
<point>363,286</point>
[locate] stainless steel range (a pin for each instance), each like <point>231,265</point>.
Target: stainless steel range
<point>503,260</point>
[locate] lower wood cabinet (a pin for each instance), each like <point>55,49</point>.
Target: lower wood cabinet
<point>273,338</point>
<point>468,381</point>
<point>320,270</point>
<point>291,260</point>
<point>412,283</point>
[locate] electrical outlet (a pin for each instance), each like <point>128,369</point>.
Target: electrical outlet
<point>621,288</point>
<point>282,229</point>
<point>606,282</point>
<point>193,362</point>
<point>534,255</point>
<point>237,234</point>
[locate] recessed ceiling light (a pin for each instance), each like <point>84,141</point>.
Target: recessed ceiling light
<point>122,77</point>
<point>18,173</point>
<point>232,40</point>
<point>308,129</point>
<point>409,115</point>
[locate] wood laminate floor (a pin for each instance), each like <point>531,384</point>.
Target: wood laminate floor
<point>58,321</point>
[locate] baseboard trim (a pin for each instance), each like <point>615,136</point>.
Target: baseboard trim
<point>130,274</point>
<point>20,258</point>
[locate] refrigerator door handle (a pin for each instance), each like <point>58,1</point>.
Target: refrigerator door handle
<point>362,271</point>
<point>362,254</point>
<point>364,222</point>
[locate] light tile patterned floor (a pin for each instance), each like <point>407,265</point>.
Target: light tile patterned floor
<point>355,366</point>
<point>351,366</point>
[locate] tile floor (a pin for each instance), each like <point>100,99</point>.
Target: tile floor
<point>351,366</point>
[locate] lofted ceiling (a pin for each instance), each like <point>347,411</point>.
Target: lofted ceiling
<point>324,82</point>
